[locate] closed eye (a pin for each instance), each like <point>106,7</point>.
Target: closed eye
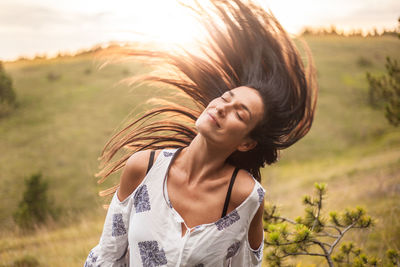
<point>240,118</point>
<point>242,105</point>
<point>229,93</point>
<point>226,97</point>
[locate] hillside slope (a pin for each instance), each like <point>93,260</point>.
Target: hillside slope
<point>62,124</point>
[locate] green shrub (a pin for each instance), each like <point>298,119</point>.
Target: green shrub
<point>126,71</point>
<point>26,261</point>
<point>34,208</point>
<point>7,93</point>
<point>52,76</point>
<point>364,62</point>
<point>87,71</point>
<point>385,90</point>
<point>316,235</point>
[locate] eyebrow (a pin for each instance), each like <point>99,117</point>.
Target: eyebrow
<point>242,105</point>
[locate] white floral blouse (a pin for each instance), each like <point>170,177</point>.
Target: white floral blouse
<point>145,230</point>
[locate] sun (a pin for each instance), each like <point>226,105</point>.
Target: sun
<point>165,22</point>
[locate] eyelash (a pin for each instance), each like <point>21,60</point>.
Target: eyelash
<point>237,113</point>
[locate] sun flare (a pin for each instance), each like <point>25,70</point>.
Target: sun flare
<point>166,22</point>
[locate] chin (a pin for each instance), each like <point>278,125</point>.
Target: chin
<point>202,128</point>
<point>205,129</point>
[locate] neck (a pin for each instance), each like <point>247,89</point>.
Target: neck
<point>202,160</point>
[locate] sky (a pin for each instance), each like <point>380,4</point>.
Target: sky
<point>31,27</point>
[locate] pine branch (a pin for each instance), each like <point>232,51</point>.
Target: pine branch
<point>320,243</point>
<point>285,220</point>
<point>340,237</point>
<point>320,189</point>
<point>334,227</point>
<point>326,234</point>
<point>303,253</point>
<point>296,237</point>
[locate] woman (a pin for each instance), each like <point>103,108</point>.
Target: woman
<point>190,192</point>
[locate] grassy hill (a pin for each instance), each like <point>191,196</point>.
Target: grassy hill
<point>68,110</point>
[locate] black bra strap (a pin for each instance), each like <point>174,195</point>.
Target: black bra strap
<point>150,161</point>
<point>228,195</point>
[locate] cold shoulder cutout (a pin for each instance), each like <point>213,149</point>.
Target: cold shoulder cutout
<point>136,167</point>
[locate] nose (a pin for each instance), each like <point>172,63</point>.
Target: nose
<point>222,108</point>
<point>219,110</point>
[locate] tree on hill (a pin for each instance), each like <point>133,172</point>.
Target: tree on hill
<point>7,93</point>
<point>35,207</point>
<point>386,89</point>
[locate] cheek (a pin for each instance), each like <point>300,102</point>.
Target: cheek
<point>201,121</point>
<point>236,128</point>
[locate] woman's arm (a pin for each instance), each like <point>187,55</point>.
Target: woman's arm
<point>112,247</point>
<point>256,230</point>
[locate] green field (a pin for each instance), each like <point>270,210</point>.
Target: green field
<point>61,126</point>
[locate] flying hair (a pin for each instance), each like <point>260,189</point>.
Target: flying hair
<point>245,46</point>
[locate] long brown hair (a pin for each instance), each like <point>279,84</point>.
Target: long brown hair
<point>249,48</point>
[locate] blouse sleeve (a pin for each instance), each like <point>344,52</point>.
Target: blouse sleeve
<point>247,256</point>
<point>112,249</point>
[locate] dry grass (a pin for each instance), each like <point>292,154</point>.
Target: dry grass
<point>62,125</point>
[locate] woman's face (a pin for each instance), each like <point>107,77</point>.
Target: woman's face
<point>228,119</point>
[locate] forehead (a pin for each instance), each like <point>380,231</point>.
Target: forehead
<point>251,99</point>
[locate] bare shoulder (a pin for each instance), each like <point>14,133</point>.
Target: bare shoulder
<point>242,187</point>
<point>134,172</point>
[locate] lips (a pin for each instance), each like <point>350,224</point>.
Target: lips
<point>213,117</point>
